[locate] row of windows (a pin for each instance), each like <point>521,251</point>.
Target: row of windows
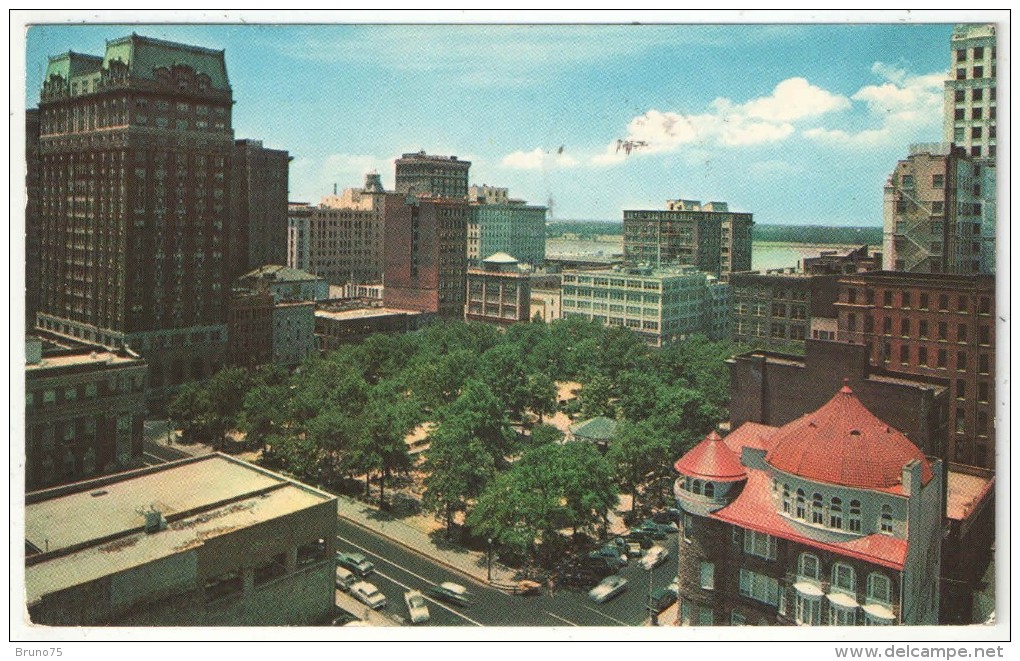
<point>905,299</point>
<point>830,514</point>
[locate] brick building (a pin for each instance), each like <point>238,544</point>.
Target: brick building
<point>351,322</point>
<point>709,237</point>
<point>32,238</point>
<point>939,213</point>
<point>426,174</point>
<point>84,413</point>
<point>940,326</point>
<point>239,546</point>
<point>774,389</point>
<point>259,200</point>
<point>426,255</point>
<point>833,518</point>
<point>499,292</point>
<point>250,328</point>
<point>777,309</point>
<point>856,260</point>
<point>135,165</point>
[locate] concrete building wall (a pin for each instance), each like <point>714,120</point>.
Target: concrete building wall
<point>293,333</point>
<point>970,103</point>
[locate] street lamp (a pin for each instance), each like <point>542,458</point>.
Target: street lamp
<point>488,558</point>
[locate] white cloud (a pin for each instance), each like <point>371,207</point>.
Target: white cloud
<point>794,99</point>
<point>538,159</point>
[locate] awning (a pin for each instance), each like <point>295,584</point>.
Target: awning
<point>879,612</point>
<point>842,600</point>
<point>806,589</point>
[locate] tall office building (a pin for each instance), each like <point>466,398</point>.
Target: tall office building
<point>31,217</point>
<point>135,152</point>
<point>970,91</point>
<point>439,176</point>
<point>259,200</point>
<point>499,223</point>
<point>709,237</point>
<point>939,213</point>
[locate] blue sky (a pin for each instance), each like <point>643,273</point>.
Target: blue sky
<point>799,124</point>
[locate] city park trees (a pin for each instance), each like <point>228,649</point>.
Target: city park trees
<point>485,396</point>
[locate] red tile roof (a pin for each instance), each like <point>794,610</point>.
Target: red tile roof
<point>753,509</point>
<point>752,435</point>
<point>844,443</point>
<point>712,460</point>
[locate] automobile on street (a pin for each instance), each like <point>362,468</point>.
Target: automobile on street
<point>355,562</point>
<point>610,587</point>
<point>345,578</point>
<point>451,592</point>
<point>416,607</point>
<point>368,594</point>
<point>661,599</point>
<point>654,557</point>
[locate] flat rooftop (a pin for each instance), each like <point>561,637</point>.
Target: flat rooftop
<point>91,358</point>
<point>967,492</point>
<point>364,313</point>
<point>99,524</point>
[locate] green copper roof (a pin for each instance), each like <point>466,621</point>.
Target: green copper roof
<point>144,55</point>
<point>596,429</point>
<point>70,64</point>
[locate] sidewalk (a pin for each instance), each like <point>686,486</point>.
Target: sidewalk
<point>469,563</point>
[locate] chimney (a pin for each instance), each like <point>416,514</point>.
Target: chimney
<point>154,521</point>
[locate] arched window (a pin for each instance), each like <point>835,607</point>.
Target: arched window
<point>879,588</point>
<point>817,509</point>
<point>843,578</point>
<point>886,525</point>
<point>855,516</point>
<point>697,487</point>
<point>808,567</point>
<point>710,489</point>
<point>800,504</point>
<point>835,513</point>
<point>786,498</point>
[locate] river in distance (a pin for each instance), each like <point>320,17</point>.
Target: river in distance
<point>764,255</point>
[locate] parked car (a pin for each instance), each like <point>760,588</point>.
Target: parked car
<point>355,562</point>
<point>416,606</point>
<point>452,592</point>
<point>345,578</point>
<point>368,594</point>
<point>632,548</point>
<point>655,557</point>
<point>607,589</point>
<point>667,516</point>
<point>611,554</point>
<point>640,537</point>
<point>662,598</point>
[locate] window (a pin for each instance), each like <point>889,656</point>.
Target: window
<point>961,54</point>
<point>961,74</point>
<point>943,330</point>
<point>91,390</point>
<point>688,530</point>
<point>959,114</point>
<point>707,576</point>
<point>843,579</point>
<point>887,326</point>
<point>982,423</point>
<point>808,567</point>
<point>905,327</point>
<point>975,132</point>
<point>760,544</point>
<point>922,329</point>
<point>983,363</point>
<point>879,588</point>
<point>961,361</point>
<point>817,509</point>
<point>983,392</point>
<point>835,513</point>
<point>961,420</point>
<point>905,299</point>
<point>887,299</point>
<point>855,516</point>
<point>49,396</point>
<point>922,356</point>
<point>759,587</point>
<point>904,355</point>
<point>923,303</point>
<point>961,333</point>
<point>886,519</point>
<point>808,610</point>
<point>704,616</point>
<point>737,620</point>
<point>70,394</point>
<point>842,616</point>
<point>979,72</point>
<point>961,389</point>
<point>800,503</point>
<point>979,52</point>
<point>984,335</point>
<point>943,301</point>
<point>685,612</point>
<point>786,498</point>
<point>938,180</point>
<point>709,490</point>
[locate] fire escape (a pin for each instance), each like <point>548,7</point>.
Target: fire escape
<point>915,248</point>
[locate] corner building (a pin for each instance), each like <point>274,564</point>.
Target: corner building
<point>832,519</point>
<point>135,151</point>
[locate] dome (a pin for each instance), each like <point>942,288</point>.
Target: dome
<point>844,443</point>
<point>712,460</point>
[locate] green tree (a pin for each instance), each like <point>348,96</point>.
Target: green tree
<point>587,485</point>
<point>541,395</point>
<point>481,415</point>
<point>502,368</point>
<point>380,447</point>
<point>638,453</point>
<point>595,398</point>
<point>457,468</point>
<point>190,410</point>
<point>545,434</point>
<point>638,394</point>
<point>265,413</point>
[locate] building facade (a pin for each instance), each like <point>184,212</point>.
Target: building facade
<point>84,413</point>
<point>832,519</point>
<point>438,176</point>
<point>937,326</point>
<point>250,328</point>
<point>135,163</point>
<point>776,309</point>
<point>511,227</point>
<point>499,292</point>
<point>774,388</point>
<point>709,237</point>
<point>426,256</point>
<point>662,306</point>
<point>546,297</point>
<point>939,213</point>
<point>293,332</point>
<point>857,260</point>
<point>353,322</point>
<point>298,233</point>
<point>32,238</point>
<point>239,546</point>
<point>970,103</point>
<point>259,200</point>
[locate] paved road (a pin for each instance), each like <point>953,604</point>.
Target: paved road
<point>398,569</point>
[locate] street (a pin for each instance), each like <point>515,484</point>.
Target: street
<point>398,569</point>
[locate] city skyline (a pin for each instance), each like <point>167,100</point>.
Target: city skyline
<point>539,108</point>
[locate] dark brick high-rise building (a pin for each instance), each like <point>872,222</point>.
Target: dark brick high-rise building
<point>259,198</point>
<point>933,326</point>
<point>31,217</point>
<point>425,174</point>
<point>135,152</point>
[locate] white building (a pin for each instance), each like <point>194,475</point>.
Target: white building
<point>970,102</point>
